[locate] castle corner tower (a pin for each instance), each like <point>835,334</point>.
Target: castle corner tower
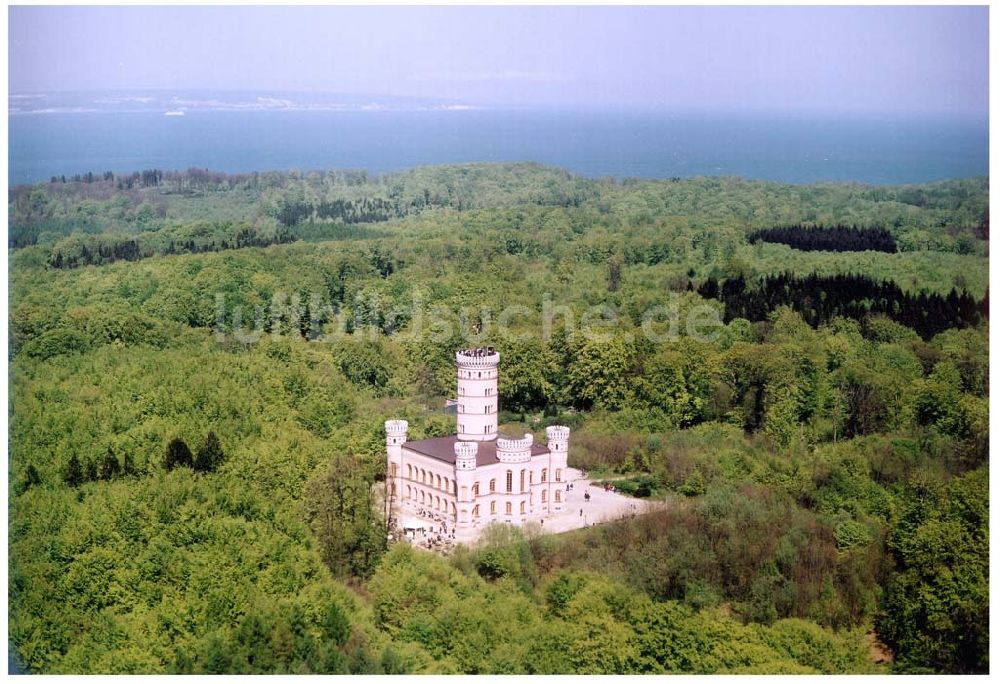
<point>395,437</point>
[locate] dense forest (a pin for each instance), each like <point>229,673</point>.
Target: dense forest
<point>820,299</point>
<point>201,364</point>
<point>828,239</point>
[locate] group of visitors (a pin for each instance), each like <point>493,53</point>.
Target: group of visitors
<point>441,541</point>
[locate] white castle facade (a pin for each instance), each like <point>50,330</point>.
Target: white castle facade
<point>476,476</point>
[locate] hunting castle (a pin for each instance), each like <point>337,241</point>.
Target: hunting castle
<point>477,476</point>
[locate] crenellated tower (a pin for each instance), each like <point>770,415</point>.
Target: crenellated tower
<point>395,436</point>
<point>465,473</point>
<point>557,441</point>
<point>477,394</point>
<point>514,449</point>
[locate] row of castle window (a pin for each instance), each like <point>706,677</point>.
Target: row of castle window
<point>487,392</point>
<point>508,506</point>
<point>429,499</point>
<point>509,509</point>
<point>431,479</point>
<point>510,480</point>
<point>435,502</point>
<point>487,429</point>
<point>436,480</point>
<point>489,408</point>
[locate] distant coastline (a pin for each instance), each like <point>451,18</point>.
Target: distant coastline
<point>112,102</point>
<point>626,144</point>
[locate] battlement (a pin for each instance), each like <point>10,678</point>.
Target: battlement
<point>466,449</point>
<point>396,427</point>
<point>515,444</point>
<point>557,433</point>
<point>477,357</point>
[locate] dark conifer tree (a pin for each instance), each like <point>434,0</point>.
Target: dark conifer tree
<point>128,467</point>
<point>74,472</point>
<point>709,289</point>
<point>110,466</point>
<point>31,478</point>
<point>210,454</point>
<point>178,455</point>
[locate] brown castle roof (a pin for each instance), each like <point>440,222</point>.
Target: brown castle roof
<point>443,449</point>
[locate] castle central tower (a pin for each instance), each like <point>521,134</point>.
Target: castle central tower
<point>477,394</point>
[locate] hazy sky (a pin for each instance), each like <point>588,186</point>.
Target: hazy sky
<point>886,59</point>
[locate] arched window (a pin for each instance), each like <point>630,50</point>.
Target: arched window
<point>409,472</point>
<point>510,481</point>
<point>407,491</point>
<point>545,496</point>
<point>531,477</point>
<point>558,474</point>
<point>545,473</point>
<point>475,489</point>
<point>423,475</point>
<point>493,507</point>
<point>522,508</point>
<point>422,496</point>
<point>522,480</point>
<point>558,495</point>
<point>453,508</point>
<point>493,485</point>
<point>475,511</point>
<point>437,502</point>
<point>454,488</point>
<point>447,487</point>
<point>509,509</point>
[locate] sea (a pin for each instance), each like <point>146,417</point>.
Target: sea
<point>619,144</point>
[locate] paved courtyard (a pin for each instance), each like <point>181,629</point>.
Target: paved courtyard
<point>577,512</point>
